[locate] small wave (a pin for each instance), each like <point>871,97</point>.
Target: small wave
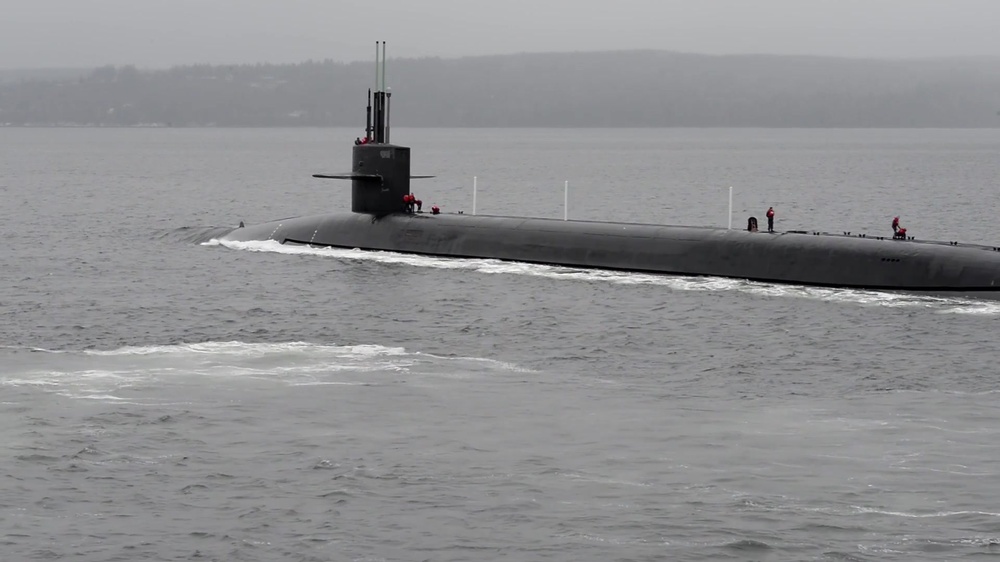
<point>36,458</point>
<point>982,545</point>
<point>949,305</point>
<point>862,509</point>
<point>748,544</point>
<point>332,383</point>
<point>502,365</point>
<point>978,541</point>
<point>846,556</point>
<point>193,234</point>
<point>595,478</point>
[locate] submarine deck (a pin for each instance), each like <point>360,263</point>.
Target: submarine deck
<point>801,257</point>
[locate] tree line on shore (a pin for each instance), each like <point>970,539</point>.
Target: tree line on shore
<point>585,89</point>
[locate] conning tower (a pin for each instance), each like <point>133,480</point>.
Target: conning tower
<point>380,171</point>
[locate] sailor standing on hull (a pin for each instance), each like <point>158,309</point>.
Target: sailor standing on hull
<point>898,232</point>
<point>770,219</point>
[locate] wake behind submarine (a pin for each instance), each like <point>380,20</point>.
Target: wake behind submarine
<point>383,218</point>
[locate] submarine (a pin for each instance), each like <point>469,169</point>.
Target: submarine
<point>383,217</point>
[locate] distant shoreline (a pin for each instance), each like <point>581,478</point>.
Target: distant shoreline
<point>617,89</point>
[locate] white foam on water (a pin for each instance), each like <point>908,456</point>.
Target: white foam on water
<point>109,374</point>
<point>27,382</point>
<point>242,349</point>
<point>944,305</point>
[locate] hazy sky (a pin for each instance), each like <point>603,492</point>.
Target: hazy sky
<point>161,33</point>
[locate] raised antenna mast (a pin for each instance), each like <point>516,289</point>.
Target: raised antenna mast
<point>368,118</point>
<point>380,118</point>
<point>388,94</point>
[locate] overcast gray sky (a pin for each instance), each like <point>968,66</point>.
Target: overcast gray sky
<point>162,33</point>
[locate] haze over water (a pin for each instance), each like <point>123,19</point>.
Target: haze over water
<point>168,397</point>
<point>162,33</point>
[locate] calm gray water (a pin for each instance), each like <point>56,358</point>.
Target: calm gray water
<point>167,399</point>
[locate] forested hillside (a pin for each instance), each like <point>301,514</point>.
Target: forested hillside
<point>607,89</point>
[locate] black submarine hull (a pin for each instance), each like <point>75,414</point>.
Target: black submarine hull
<point>805,258</point>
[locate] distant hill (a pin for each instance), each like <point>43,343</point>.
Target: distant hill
<point>602,89</point>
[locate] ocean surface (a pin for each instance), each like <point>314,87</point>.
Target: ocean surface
<point>166,397</point>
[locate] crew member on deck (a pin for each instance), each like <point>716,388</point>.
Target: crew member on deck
<point>898,232</point>
<point>770,219</point>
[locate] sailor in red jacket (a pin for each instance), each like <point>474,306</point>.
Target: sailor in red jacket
<point>898,232</point>
<point>770,219</point>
